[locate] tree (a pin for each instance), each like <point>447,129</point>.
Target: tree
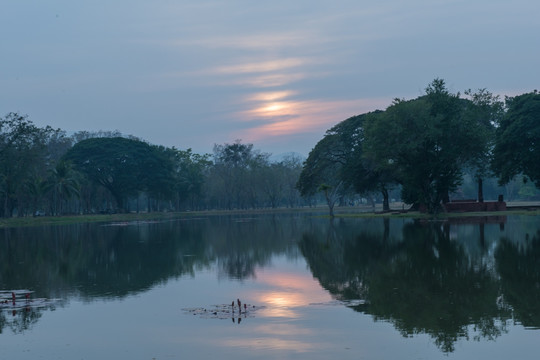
<point>156,171</point>
<point>22,153</point>
<point>234,177</point>
<point>485,111</point>
<point>322,170</point>
<point>517,144</point>
<point>424,142</point>
<point>359,171</point>
<point>125,167</point>
<point>190,171</point>
<point>36,187</point>
<point>338,163</point>
<point>64,185</point>
<point>291,168</point>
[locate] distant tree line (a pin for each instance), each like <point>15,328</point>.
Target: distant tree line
<point>423,151</point>
<point>43,171</point>
<point>426,147</point>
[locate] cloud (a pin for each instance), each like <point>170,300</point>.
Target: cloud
<point>261,66</point>
<point>281,118</point>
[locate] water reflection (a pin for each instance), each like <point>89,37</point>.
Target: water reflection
<point>19,320</point>
<point>426,278</point>
<point>286,292</point>
<point>113,261</point>
<point>451,281</point>
<point>518,265</point>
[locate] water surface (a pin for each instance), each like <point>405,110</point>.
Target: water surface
<point>348,288</point>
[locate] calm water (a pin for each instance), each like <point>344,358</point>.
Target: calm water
<point>347,289</point>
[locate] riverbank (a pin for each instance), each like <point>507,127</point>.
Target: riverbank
<point>398,210</point>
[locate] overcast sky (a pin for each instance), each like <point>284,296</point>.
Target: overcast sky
<point>277,73</point>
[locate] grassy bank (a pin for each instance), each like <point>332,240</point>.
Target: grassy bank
<point>320,211</point>
<point>76,219</point>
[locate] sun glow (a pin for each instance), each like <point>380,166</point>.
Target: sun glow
<point>287,117</point>
<point>274,109</point>
<point>281,298</point>
<point>271,95</point>
<point>262,66</point>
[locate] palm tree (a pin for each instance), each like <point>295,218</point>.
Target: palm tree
<point>64,185</point>
<point>36,188</point>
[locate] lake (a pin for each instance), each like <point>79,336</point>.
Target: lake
<point>309,288</point>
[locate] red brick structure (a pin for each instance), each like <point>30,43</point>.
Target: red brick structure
<point>473,206</point>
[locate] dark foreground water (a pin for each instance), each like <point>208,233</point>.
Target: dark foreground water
<point>313,289</point>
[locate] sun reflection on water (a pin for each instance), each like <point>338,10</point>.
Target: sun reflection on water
<point>287,292</point>
<point>283,299</point>
<point>270,343</point>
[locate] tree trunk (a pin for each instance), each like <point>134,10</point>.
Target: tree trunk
<point>386,202</point>
<point>480,190</point>
<point>445,197</point>
<point>330,203</point>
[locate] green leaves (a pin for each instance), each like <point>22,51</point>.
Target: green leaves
<point>423,144</point>
<point>517,146</point>
<point>123,166</point>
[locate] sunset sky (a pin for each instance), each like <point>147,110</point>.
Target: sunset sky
<point>277,74</point>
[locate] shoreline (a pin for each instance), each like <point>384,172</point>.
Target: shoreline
<point>517,208</point>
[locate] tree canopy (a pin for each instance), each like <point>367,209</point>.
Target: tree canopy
<point>425,145</point>
<point>336,165</point>
<point>517,146</point>
<point>426,141</point>
<point>436,146</point>
<point>123,166</point>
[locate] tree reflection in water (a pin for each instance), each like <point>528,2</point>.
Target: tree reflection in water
<point>518,265</point>
<point>111,261</point>
<point>19,320</point>
<point>423,281</point>
<point>450,281</point>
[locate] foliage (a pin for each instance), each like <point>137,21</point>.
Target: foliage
<point>336,165</point>
<point>22,155</point>
<point>416,278</point>
<point>123,166</point>
<point>64,184</point>
<point>190,171</point>
<point>425,143</point>
<point>483,110</point>
<point>517,147</point>
<point>424,147</point>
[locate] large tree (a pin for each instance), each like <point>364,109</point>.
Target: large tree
<point>517,147</point>
<point>322,171</point>
<point>125,167</point>
<point>425,142</point>
<point>337,165</point>
<point>359,171</point>
<point>485,110</point>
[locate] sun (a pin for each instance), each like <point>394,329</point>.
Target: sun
<point>273,108</point>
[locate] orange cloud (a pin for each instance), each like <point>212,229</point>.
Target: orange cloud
<point>270,96</point>
<point>261,66</point>
<point>280,118</point>
<point>269,80</point>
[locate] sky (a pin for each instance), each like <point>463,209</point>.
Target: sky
<point>277,74</point>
